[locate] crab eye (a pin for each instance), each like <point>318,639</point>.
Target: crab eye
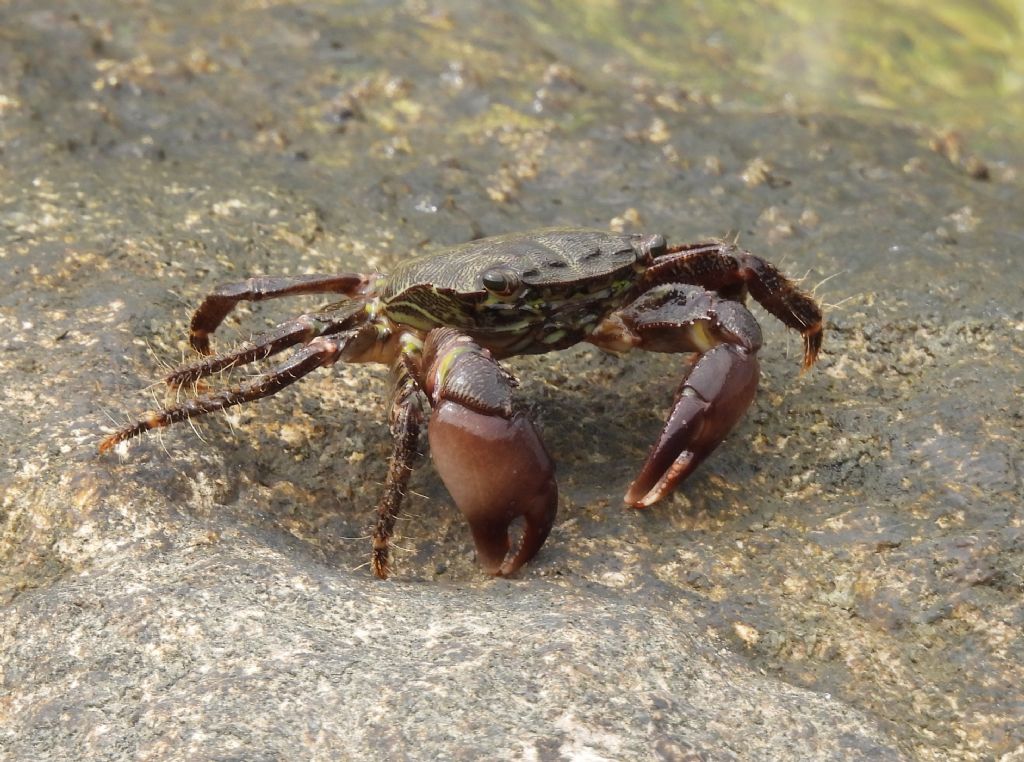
<point>501,281</point>
<point>649,247</point>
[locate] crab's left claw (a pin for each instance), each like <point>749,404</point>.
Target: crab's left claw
<point>489,457</point>
<point>712,398</point>
<point>715,392</point>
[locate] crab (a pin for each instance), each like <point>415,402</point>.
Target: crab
<point>442,323</point>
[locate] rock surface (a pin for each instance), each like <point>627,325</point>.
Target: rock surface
<point>842,579</point>
<point>238,652</point>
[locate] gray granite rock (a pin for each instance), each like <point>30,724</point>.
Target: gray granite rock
<point>232,651</point>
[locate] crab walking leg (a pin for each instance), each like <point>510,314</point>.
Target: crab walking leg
<point>261,347</point>
<point>714,393</point>
<point>489,456</point>
<point>217,305</point>
<point>406,423</point>
<point>726,268</point>
<point>319,353</point>
<point>298,331</point>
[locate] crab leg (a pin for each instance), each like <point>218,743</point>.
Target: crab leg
<point>406,422</point>
<point>217,305</point>
<point>728,269</point>
<point>298,331</point>
<point>319,353</point>
<point>489,456</point>
<point>714,393</point>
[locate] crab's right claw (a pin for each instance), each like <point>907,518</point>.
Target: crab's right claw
<point>712,398</point>
<point>497,471</point>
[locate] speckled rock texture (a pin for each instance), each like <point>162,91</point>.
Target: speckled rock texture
<point>841,580</point>
<point>241,652</point>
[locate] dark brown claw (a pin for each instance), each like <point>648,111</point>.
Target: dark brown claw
<point>497,471</point>
<point>712,398</point>
<point>489,457</point>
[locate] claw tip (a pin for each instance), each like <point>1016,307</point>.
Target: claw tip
<point>676,472</point>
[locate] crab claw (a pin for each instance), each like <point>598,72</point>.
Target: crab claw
<point>497,471</point>
<point>712,398</point>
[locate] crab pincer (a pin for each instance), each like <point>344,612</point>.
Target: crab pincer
<point>489,456</point>
<point>711,399</point>
<point>714,393</point>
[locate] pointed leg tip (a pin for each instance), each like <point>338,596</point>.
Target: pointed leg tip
<point>380,565</point>
<point>812,345</point>
<point>200,342</point>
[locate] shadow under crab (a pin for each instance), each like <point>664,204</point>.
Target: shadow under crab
<point>442,322</point>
